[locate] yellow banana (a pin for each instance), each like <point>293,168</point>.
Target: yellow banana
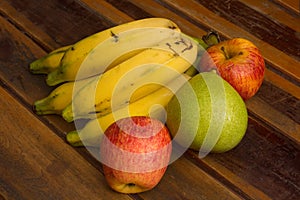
<point>59,98</point>
<point>81,61</point>
<point>139,75</point>
<point>49,62</point>
<point>151,105</point>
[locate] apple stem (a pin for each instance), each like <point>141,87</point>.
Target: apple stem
<point>226,55</point>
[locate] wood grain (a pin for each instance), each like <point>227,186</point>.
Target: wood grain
<point>275,13</point>
<point>106,9</point>
<point>286,125</point>
<point>69,21</point>
<point>292,5</point>
<point>196,188</point>
<point>38,162</point>
<point>253,160</point>
<point>258,24</point>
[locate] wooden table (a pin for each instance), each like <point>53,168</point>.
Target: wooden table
<point>37,163</point>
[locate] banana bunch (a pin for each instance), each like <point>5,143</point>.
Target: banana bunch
<point>127,70</point>
<point>151,105</point>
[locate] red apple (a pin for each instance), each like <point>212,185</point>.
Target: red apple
<point>135,153</point>
<point>239,62</point>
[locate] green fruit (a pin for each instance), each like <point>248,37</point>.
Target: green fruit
<point>207,114</point>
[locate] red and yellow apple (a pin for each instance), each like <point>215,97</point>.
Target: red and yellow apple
<point>239,62</point>
<point>135,153</point>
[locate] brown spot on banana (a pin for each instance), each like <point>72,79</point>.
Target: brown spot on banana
<point>116,37</point>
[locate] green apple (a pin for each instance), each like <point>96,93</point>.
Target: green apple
<point>207,114</point>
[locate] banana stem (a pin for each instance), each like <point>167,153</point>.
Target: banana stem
<point>54,77</point>
<point>74,139</point>
<point>67,113</point>
<point>43,107</point>
<point>38,67</point>
<point>211,38</point>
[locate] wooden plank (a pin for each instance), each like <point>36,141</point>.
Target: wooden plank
<point>183,180</point>
<point>36,164</point>
<point>16,52</point>
<point>271,10</point>
<point>130,9</point>
<point>282,83</point>
<point>270,105</point>
<point>106,10</point>
<point>274,118</point>
<point>41,36</point>
<point>155,10</point>
<point>71,19</point>
<point>293,5</point>
<point>264,159</point>
<point>243,185</point>
<point>256,23</point>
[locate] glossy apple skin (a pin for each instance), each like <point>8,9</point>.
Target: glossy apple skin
<point>239,62</point>
<point>135,153</point>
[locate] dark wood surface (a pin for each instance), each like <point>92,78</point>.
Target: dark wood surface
<point>37,163</point>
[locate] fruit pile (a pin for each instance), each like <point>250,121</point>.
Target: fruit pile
<point>143,85</point>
